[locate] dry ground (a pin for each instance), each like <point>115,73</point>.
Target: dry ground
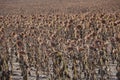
<point>58,6</point>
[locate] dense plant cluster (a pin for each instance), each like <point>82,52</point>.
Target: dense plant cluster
<point>62,47</point>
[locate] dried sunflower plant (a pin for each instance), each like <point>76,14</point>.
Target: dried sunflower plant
<point>60,47</point>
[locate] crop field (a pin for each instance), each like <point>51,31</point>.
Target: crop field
<point>67,40</point>
<point>60,47</point>
<point>58,6</point>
